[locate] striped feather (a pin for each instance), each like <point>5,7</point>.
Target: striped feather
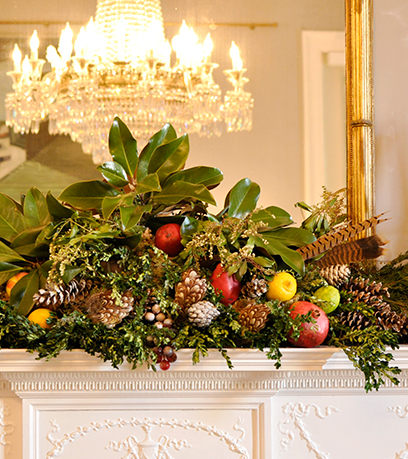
<point>328,241</point>
<point>351,252</point>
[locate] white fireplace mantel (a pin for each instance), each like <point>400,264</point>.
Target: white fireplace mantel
<point>314,406</point>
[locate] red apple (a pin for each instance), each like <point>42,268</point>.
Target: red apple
<point>168,239</point>
<point>313,333</point>
<point>227,285</point>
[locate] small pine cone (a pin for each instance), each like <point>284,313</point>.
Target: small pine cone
<point>102,308</point>
<point>389,319</point>
<point>148,236</point>
<point>255,288</point>
<point>254,317</point>
<point>190,290</point>
<point>201,314</point>
<point>365,291</point>
<point>55,295</point>
<point>336,275</point>
<point>354,319</point>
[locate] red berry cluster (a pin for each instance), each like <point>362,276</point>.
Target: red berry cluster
<point>165,356</point>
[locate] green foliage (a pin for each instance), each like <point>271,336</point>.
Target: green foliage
<point>101,230</point>
<point>331,211</point>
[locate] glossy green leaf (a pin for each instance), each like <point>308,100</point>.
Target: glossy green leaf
<point>8,255</point>
<point>36,208</point>
<point>123,147</point>
<point>45,236</point>
<point>131,215</point>
<point>272,216</point>
<point>165,135</point>
<point>207,176</point>
<point>296,237</point>
<point>114,174</point>
<point>132,241</point>
<point>110,203</point>
<point>70,272</point>
<point>243,198</point>
<point>87,195</point>
<point>150,183</point>
<point>189,227</point>
<point>12,221</point>
<point>276,248</point>
<point>22,293</point>
<point>26,243</point>
<point>56,209</point>
<point>8,270</point>
<point>179,191</point>
<point>169,158</point>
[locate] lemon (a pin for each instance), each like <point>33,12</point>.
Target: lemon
<point>330,295</point>
<point>282,287</point>
<point>39,316</point>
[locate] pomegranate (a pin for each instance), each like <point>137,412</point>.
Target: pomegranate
<point>168,239</point>
<point>227,285</point>
<point>313,333</point>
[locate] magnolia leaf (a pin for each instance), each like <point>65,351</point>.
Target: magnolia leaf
<point>36,208</point>
<point>12,221</point>
<point>210,177</point>
<point>165,135</point>
<point>169,158</point>
<point>179,191</point>
<point>87,195</point>
<point>274,217</point>
<point>46,234</point>
<point>56,209</point>
<point>21,296</point>
<point>8,270</point>
<point>150,183</point>
<point>275,247</point>
<point>297,237</point>
<point>132,241</point>
<point>131,215</point>
<point>189,227</point>
<point>70,272</point>
<point>114,174</point>
<point>8,255</point>
<point>26,243</point>
<point>243,198</point>
<point>123,147</point>
<point>110,203</point>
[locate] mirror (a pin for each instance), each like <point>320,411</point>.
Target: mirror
<point>272,154</point>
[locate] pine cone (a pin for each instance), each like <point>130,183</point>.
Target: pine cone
<point>102,308</point>
<point>389,319</point>
<point>55,295</point>
<point>254,317</point>
<point>354,319</point>
<point>336,275</point>
<point>201,314</point>
<point>255,288</point>
<point>366,291</point>
<point>190,290</point>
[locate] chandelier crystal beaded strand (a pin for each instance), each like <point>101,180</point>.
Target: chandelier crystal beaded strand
<point>120,65</point>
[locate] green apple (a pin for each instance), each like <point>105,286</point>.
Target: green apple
<point>330,295</point>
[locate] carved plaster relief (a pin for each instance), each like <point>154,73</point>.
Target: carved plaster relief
<point>6,429</point>
<point>296,412</point>
<point>147,447</point>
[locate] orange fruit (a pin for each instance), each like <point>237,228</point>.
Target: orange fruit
<point>39,316</point>
<point>282,287</point>
<point>13,281</point>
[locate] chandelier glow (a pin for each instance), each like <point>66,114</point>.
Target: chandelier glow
<point>122,66</point>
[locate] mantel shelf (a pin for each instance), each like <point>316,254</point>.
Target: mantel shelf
<point>244,360</point>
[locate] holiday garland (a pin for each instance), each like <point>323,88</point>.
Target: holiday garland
<point>94,269</point>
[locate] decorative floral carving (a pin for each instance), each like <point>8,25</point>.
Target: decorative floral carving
<point>7,427</point>
<point>297,411</point>
<point>147,448</point>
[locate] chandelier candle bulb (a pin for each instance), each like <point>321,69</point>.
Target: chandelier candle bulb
<point>236,58</point>
<point>17,58</point>
<point>34,45</point>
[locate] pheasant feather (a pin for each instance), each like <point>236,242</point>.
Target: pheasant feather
<point>353,251</point>
<point>328,241</point>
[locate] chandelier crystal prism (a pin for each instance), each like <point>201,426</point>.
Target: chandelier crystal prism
<point>120,64</point>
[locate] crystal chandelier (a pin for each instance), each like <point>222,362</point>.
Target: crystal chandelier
<point>120,65</point>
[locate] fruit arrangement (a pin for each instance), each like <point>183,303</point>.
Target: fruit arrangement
<point>134,267</point>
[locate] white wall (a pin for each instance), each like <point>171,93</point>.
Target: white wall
<point>272,153</point>
<point>391,120</point>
